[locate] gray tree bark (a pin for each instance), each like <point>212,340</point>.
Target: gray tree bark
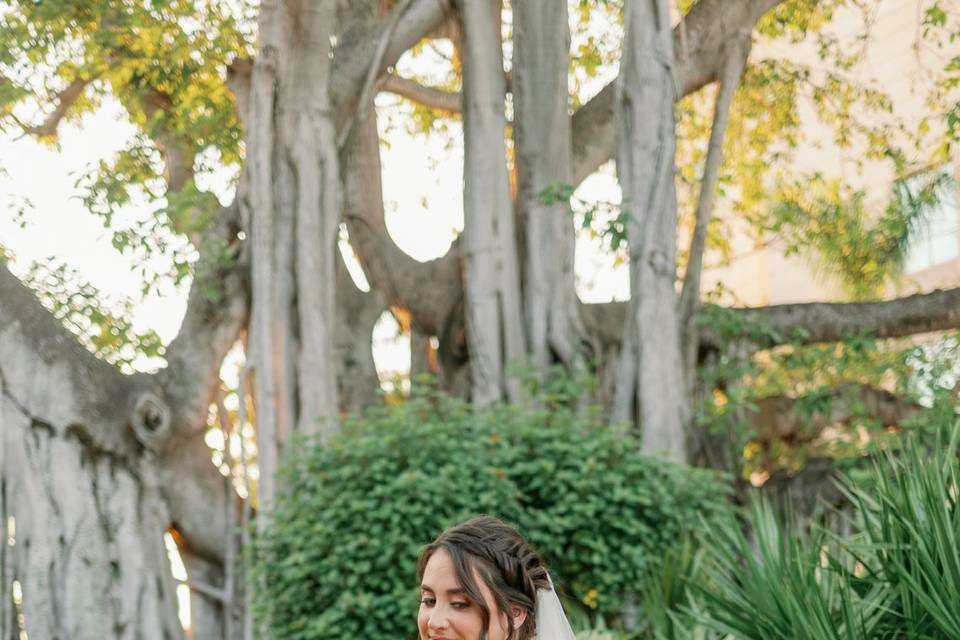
<point>806,322</point>
<point>294,201</point>
<point>389,270</point>
<point>494,317</point>
<point>357,313</point>
<point>735,61</point>
<point>645,165</point>
<point>542,135</point>
<point>92,473</point>
<point>435,310</point>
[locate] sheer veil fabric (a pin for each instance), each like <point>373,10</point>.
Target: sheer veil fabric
<point>552,623</point>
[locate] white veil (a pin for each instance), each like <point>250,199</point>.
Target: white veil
<point>552,623</point>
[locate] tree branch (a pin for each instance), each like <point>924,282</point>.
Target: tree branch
<point>386,266</point>
<point>36,350</point>
<point>217,309</point>
<point>449,101</point>
<point>355,59</point>
<point>65,100</point>
<point>177,151</point>
<point>422,18</point>
<point>239,76</point>
<point>357,314</point>
<point>735,59</point>
<point>809,322</point>
<point>364,102</point>
<point>776,418</point>
<point>196,496</point>
<point>708,27</point>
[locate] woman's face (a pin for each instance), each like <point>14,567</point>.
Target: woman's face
<point>446,613</point>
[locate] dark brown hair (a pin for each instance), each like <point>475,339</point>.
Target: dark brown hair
<point>509,567</point>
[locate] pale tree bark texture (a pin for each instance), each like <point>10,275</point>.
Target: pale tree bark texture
<point>542,136</point>
<point>491,271</point>
<point>645,165</point>
<point>73,506</point>
<point>295,197</point>
<point>95,466</point>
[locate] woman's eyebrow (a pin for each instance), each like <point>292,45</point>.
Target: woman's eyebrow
<point>458,590</point>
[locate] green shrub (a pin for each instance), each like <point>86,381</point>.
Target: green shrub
<point>898,576</point>
<point>909,545</point>
<point>338,558</point>
<point>775,584</point>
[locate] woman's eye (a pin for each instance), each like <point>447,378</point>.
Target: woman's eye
<point>427,602</point>
<point>459,605</point>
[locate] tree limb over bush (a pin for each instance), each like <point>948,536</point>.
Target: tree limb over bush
<point>807,323</point>
<point>804,322</point>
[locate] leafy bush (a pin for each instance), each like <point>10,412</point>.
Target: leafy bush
<point>909,546</point>
<point>898,576</point>
<point>338,558</point>
<point>775,585</point>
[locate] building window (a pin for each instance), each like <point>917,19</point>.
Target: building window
<point>937,239</point>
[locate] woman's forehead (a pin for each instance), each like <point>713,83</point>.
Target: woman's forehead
<point>440,576</point>
<point>440,573</point>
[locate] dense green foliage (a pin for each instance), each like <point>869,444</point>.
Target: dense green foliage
<point>338,559</point>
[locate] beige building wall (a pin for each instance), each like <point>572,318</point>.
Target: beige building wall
<point>761,276</point>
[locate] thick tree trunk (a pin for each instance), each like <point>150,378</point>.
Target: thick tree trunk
<point>95,466</point>
<point>80,490</point>
<point>88,550</point>
<point>494,317</point>
<point>294,211</point>
<point>542,133</point>
<point>645,165</point>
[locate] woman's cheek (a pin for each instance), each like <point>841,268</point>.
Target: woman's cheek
<point>422,618</point>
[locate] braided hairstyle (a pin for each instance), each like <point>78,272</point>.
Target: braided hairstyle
<point>508,566</point>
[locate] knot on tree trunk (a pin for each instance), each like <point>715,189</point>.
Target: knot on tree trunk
<point>150,421</point>
<point>660,261</point>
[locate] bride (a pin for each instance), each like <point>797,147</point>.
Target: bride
<point>480,580</point>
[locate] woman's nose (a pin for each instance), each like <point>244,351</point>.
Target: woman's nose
<point>438,619</point>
